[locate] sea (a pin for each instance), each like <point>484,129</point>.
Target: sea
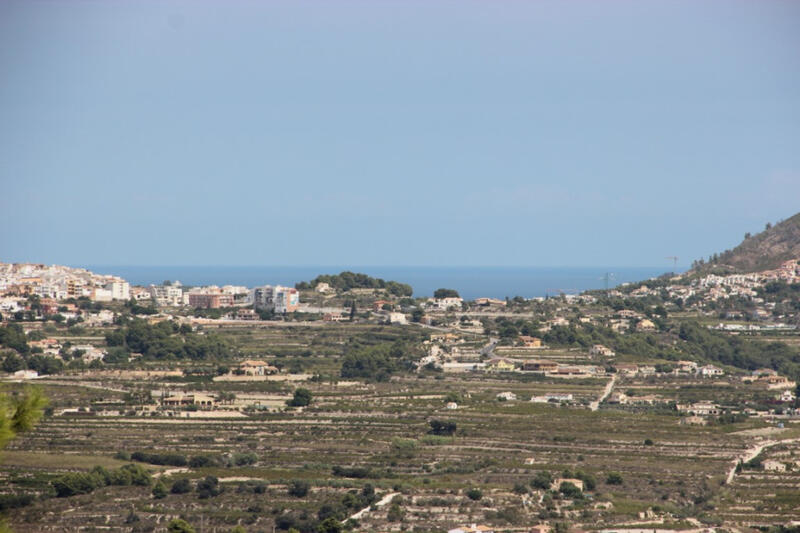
<point>470,281</point>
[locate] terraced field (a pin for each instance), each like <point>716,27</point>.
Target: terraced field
<point>356,437</point>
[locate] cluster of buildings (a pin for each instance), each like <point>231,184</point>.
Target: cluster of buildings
<point>769,379</point>
<point>53,284</point>
<point>60,283</point>
<point>712,287</point>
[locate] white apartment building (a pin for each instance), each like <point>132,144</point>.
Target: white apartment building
<point>276,298</point>
<point>444,304</point>
<point>167,294</point>
<point>120,289</point>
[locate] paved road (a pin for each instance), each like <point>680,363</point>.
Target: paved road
<point>595,405</point>
<point>489,348</point>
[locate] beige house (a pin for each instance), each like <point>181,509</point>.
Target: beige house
<point>709,371</point>
<point>645,325</point>
<point>540,365</point>
<point>530,342</point>
<point>627,369</point>
<point>474,528</point>
<point>499,364</point>
<point>253,367</point>
<point>599,349</point>
<point>185,400</point>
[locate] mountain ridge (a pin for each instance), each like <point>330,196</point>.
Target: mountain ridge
<point>763,251</point>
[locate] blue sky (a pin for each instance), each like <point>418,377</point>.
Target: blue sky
<point>394,132</point>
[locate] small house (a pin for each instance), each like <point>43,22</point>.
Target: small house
<point>256,368</point>
<point>530,342</point>
<point>600,350</point>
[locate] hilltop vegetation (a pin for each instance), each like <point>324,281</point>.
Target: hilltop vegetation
<point>345,281</point>
<point>763,251</point>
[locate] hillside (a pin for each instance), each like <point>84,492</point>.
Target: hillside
<point>763,251</point>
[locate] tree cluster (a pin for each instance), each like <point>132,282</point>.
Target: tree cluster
<point>345,281</point>
<point>85,482</point>
<point>376,362</point>
<point>167,340</point>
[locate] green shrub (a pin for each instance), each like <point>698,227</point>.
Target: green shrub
<point>302,397</point>
<point>208,488</point>
<point>178,525</point>
<point>159,491</point>
<point>442,427</point>
<point>299,488</point>
<point>85,482</point>
<point>181,486</point>
<point>542,480</point>
<point>14,501</point>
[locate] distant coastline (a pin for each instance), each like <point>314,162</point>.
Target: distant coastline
<point>471,282</point>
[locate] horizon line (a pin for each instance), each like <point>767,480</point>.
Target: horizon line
<point>207,265</point>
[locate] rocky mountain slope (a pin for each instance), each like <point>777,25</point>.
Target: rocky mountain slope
<point>763,251</point>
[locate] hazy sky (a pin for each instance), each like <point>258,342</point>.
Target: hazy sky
<point>394,132</point>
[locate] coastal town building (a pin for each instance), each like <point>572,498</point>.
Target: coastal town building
<point>444,304</point>
<point>276,298</point>
<point>209,298</point>
<point>167,295</point>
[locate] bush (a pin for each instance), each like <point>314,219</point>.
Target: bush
<point>199,461</point>
<point>404,448</point>
<point>442,427</point>
<point>614,479</point>
<point>163,459</point>
<point>85,482</point>
<point>329,525</point>
<point>208,488</point>
<point>159,491</point>
<point>352,471</point>
<point>299,488</point>
<point>589,482</point>
<point>14,501</point>
<point>302,397</point>
<point>474,494</point>
<point>181,486</point>
<point>242,459</point>
<point>542,480</point>
<point>395,513</point>
<point>569,490</point>
<point>177,525</point>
